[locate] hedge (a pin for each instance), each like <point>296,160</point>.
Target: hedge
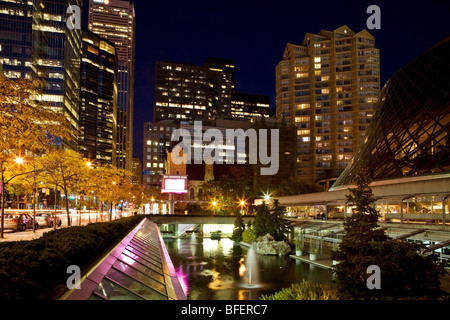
<point>306,290</point>
<point>37,269</point>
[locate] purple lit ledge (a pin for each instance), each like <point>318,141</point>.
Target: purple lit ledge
<point>138,268</point>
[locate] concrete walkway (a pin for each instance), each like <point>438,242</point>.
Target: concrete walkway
<point>23,235</point>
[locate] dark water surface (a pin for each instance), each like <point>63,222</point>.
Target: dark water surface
<point>210,270</point>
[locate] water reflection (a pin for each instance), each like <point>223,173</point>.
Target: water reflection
<point>209,270</point>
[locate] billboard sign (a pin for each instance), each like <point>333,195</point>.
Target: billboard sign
<point>174,184</point>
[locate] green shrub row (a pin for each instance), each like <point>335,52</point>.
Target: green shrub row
<point>33,270</point>
<point>306,290</point>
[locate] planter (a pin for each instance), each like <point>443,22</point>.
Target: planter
<point>215,236</point>
<point>298,252</point>
<point>313,256</point>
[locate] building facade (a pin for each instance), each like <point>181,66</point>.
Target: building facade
<point>157,138</point>
<point>115,20</point>
<point>136,179</point>
<point>248,106</point>
<point>327,87</point>
<point>98,100</point>
<point>16,19</point>
<point>181,92</point>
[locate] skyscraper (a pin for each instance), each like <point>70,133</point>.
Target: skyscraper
<point>55,58</point>
<point>181,92</point>
<point>115,20</point>
<point>15,38</point>
<point>98,100</point>
<point>221,75</point>
<point>327,87</point>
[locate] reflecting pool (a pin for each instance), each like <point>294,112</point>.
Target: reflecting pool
<point>213,270</point>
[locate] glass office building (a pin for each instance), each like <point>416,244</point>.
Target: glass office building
<point>115,20</point>
<point>98,97</point>
<point>15,38</point>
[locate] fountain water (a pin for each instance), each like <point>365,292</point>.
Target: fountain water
<point>251,271</point>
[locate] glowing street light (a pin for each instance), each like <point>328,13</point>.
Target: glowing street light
<point>214,204</point>
<point>19,160</point>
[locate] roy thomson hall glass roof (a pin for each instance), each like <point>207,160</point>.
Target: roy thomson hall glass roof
<point>138,268</point>
<point>409,132</point>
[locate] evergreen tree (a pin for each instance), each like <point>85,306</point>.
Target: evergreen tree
<point>239,227</point>
<point>405,273</point>
<point>271,221</point>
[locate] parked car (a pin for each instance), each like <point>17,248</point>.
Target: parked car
<point>51,219</point>
<point>46,220</point>
<point>19,222</point>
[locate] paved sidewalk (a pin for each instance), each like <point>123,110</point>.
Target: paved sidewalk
<point>23,235</point>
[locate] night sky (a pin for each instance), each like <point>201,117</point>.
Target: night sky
<point>254,34</point>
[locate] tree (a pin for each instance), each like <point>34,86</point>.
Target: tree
<point>404,271</point>
<point>27,125</point>
<point>271,221</point>
<point>294,186</point>
<point>32,171</point>
<point>111,185</point>
<point>239,228</point>
<point>64,169</point>
<point>227,190</point>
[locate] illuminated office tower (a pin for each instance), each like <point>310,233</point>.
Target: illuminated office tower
<point>221,77</point>
<point>181,92</point>
<point>15,38</point>
<point>55,59</point>
<point>327,87</point>
<point>115,20</point>
<point>98,96</point>
<point>248,106</point>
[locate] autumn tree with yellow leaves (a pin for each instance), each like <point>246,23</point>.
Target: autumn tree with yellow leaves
<point>27,126</point>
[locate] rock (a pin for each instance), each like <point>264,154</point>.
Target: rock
<point>267,245</point>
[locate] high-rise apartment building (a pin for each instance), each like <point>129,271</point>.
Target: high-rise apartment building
<point>16,19</point>
<point>98,100</point>
<point>327,87</point>
<point>115,20</point>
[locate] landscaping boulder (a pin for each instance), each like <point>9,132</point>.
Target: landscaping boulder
<point>267,245</point>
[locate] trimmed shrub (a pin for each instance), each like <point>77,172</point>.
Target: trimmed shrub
<point>248,235</point>
<point>33,270</point>
<point>306,290</point>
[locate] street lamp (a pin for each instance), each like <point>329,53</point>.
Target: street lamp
<point>242,203</point>
<point>19,160</point>
<point>214,204</point>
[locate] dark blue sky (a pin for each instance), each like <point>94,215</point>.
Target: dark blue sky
<point>255,33</point>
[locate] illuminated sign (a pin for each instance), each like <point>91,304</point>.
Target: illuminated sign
<point>174,184</point>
